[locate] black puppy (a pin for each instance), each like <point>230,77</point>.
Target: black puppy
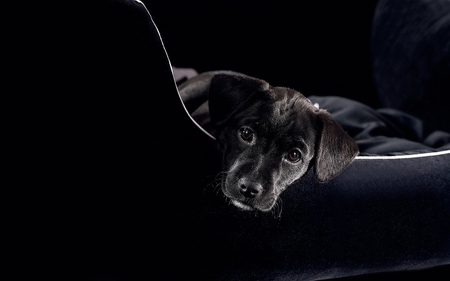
<point>269,136</point>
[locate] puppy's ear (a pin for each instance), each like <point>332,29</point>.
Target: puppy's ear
<point>335,149</point>
<point>229,93</point>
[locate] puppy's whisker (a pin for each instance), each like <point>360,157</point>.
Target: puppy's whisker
<point>227,200</point>
<point>210,186</point>
<point>216,184</point>
<point>213,188</point>
<point>277,208</point>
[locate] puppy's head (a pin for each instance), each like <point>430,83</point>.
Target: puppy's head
<point>270,137</point>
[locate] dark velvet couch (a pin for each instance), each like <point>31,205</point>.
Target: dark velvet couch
<point>127,174</point>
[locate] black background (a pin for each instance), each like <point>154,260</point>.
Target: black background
<point>315,47</point>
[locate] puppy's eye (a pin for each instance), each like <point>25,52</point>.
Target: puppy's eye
<point>246,134</point>
<point>294,156</point>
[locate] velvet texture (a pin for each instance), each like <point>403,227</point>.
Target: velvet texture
<point>410,42</point>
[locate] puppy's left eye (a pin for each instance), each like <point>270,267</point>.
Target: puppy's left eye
<point>294,156</point>
<point>246,134</point>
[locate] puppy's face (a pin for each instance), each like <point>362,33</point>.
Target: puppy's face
<point>266,146</point>
<point>270,137</point>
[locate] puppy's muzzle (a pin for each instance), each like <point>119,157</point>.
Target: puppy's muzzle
<point>248,193</point>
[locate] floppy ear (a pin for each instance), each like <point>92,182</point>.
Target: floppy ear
<point>228,93</point>
<point>335,149</point>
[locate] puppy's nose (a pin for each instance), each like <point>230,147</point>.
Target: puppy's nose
<point>249,188</point>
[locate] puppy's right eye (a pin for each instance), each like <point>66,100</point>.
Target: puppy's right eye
<point>294,155</point>
<point>246,134</point>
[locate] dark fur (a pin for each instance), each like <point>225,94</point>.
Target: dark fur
<point>261,130</point>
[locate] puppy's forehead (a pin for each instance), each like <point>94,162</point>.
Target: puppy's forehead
<point>291,107</point>
<point>281,109</point>
<point>280,92</point>
<point>282,114</point>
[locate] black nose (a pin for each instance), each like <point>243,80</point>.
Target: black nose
<point>248,188</point>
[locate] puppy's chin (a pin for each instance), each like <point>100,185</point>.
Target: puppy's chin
<point>241,205</point>
<point>244,206</point>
